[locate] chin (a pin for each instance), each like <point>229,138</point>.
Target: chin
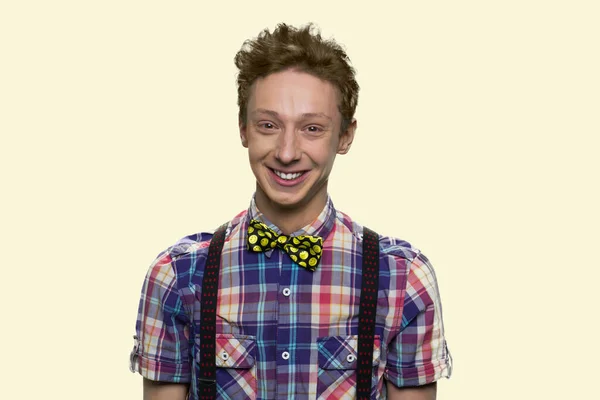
<point>287,198</point>
<point>288,202</point>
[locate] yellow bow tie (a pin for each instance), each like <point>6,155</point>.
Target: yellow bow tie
<point>305,250</point>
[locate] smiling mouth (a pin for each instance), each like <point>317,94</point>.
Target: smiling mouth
<point>288,176</point>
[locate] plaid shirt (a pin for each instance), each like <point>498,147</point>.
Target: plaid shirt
<point>283,331</point>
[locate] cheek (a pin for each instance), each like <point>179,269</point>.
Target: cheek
<point>260,146</point>
<point>324,154</point>
<point>256,150</point>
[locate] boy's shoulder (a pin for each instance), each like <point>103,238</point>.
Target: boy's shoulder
<point>388,245</point>
<point>198,243</point>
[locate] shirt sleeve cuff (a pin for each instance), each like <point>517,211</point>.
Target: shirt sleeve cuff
<point>420,375</point>
<point>163,371</point>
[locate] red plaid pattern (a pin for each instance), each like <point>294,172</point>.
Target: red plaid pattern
<point>286,332</point>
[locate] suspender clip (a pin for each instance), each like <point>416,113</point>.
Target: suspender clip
<point>203,381</point>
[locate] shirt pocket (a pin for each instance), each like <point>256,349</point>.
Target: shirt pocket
<point>235,359</point>
<point>337,367</point>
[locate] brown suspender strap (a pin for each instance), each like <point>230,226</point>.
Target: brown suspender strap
<point>207,387</point>
<point>367,312</point>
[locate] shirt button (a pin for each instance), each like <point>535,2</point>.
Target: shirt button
<point>286,292</point>
<point>350,358</point>
<point>224,356</point>
<point>285,355</point>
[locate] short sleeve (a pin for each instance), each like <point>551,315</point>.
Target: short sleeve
<point>161,351</point>
<point>418,355</point>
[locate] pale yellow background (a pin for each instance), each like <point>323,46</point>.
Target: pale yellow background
<point>478,135</point>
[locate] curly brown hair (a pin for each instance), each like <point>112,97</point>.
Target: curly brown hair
<point>303,49</point>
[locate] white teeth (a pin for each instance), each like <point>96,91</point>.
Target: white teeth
<point>287,176</point>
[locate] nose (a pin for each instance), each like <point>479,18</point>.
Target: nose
<point>288,147</point>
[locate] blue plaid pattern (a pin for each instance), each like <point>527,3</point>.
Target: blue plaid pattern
<point>284,331</point>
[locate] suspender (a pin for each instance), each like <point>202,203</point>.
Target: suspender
<point>367,311</point>
<point>366,320</point>
<point>207,383</point>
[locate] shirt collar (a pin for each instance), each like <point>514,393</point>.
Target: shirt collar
<point>321,226</point>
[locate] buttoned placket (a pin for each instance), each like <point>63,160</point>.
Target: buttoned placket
<point>284,355</point>
<point>286,308</point>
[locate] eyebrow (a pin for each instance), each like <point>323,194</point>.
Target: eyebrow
<point>276,115</point>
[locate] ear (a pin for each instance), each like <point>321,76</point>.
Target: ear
<point>243,136</point>
<point>346,138</point>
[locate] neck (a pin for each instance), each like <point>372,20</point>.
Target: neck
<point>291,218</point>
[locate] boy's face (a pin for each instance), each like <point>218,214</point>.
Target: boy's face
<point>292,134</point>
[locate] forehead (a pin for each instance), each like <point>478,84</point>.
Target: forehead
<point>293,93</point>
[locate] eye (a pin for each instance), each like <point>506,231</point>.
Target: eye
<point>314,129</point>
<point>266,125</point>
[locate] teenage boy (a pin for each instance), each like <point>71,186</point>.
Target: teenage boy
<point>291,298</point>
